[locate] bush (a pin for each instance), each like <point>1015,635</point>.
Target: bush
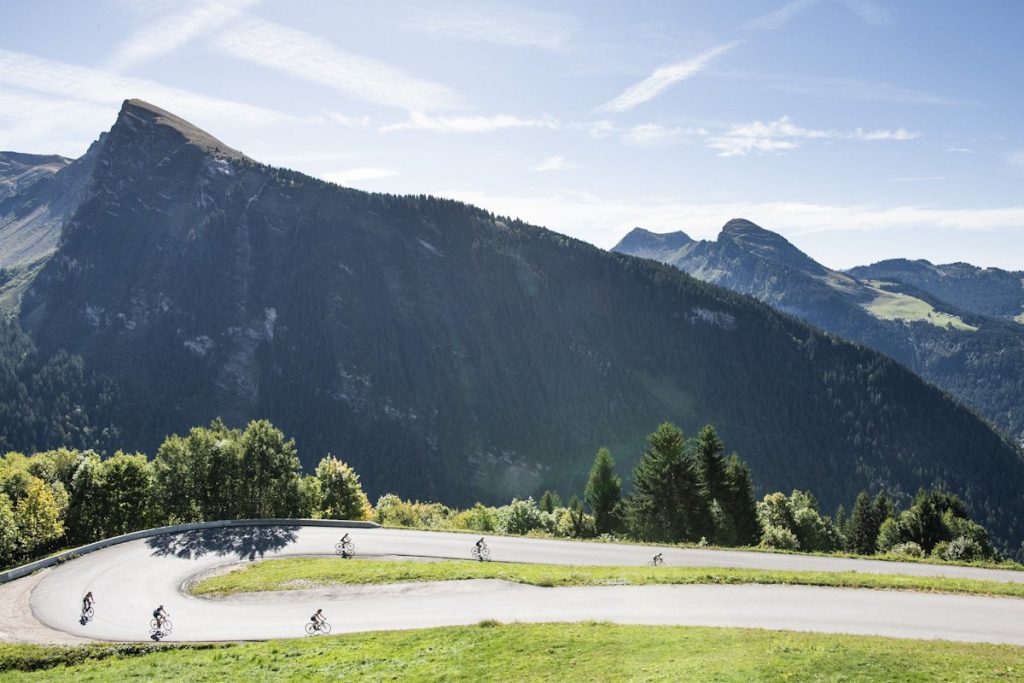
<point>519,517</point>
<point>477,518</point>
<point>908,549</point>
<point>778,538</point>
<point>814,531</point>
<point>392,510</point>
<point>963,549</point>
<point>939,550</point>
<point>574,524</point>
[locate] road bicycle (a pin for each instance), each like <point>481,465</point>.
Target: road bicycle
<point>161,628</point>
<point>87,614</point>
<point>656,561</point>
<point>315,627</point>
<point>345,548</point>
<point>481,552</point>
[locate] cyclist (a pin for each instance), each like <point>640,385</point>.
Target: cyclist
<point>344,539</point>
<point>480,544</point>
<point>658,560</point>
<point>160,614</point>
<point>88,601</point>
<point>318,619</point>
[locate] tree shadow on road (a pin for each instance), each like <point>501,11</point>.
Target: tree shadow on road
<point>246,542</point>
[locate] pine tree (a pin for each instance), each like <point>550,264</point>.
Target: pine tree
<point>667,503</point>
<point>604,491</point>
<point>862,529</point>
<point>710,463</point>
<point>739,502</point>
<point>549,501</point>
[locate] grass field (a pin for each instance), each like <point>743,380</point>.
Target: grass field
<point>534,652</point>
<point>895,306</point>
<point>299,573</point>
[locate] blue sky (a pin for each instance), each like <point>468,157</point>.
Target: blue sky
<point>860,129</point>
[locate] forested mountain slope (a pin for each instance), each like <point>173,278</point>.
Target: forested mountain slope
<point>448,353</point>
<point>976,357</point>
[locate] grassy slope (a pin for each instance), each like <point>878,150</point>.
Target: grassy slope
<point>555,652</point>
<point>298,573</point>
<point>895,306</point>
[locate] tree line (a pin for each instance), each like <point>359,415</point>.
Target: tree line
<point>67,497</point>
<point>683,490</point>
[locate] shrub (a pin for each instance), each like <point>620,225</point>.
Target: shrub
<point>519,517</point>
<point>477,518</point>
<point>963,549</point>
<point>779,538</point>
<point>574,524</point>
<point>908,549</point>
<point>939,550</point>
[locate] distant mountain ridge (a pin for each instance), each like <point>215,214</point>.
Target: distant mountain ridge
<point>451,354</point>
<point>989,291</point>
<point>937,320</point>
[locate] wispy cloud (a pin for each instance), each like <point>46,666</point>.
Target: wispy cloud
<point>494,23</point>
<point>844,88</point>
<point>656,133</point>
<point>915,179</point>
<point>555,163</point>
<point>353,175</point>
<point>780,17</point>
<point>171,31</point>
<point>664,77</point>
<point>467,124</point>
<point>870,11</point>
<point>782,134</point>
<point>319,61</point>
<point>68,81</point>
<point>595,129</point>
<point>348,121</point>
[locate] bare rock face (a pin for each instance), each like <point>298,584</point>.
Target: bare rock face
<point>448,354</point>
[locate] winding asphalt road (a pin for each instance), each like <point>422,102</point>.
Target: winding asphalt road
<point>130,579</point>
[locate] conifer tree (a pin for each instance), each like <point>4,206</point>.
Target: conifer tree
<point>604,491</point>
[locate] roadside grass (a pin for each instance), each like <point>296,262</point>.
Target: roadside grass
<point>313,572</point>
<point>492,651</point>
<point>1003,563</point>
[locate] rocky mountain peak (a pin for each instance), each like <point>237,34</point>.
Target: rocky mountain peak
<point>766,244</point>
<point>640,242</point>
<point>142,121</point>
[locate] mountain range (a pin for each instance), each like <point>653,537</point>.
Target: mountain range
<point>443,351</point>
<point>958,326</point>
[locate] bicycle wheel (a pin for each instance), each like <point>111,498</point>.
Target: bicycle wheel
<point>88,613</point>
<point>325,628</point>
<point>485,553</point>
<point>310,629</point>
<point>339,548</point>
<point>167,626</point>
<point>350,548</point>
<point>153,626</point>
<point>475,553</point>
